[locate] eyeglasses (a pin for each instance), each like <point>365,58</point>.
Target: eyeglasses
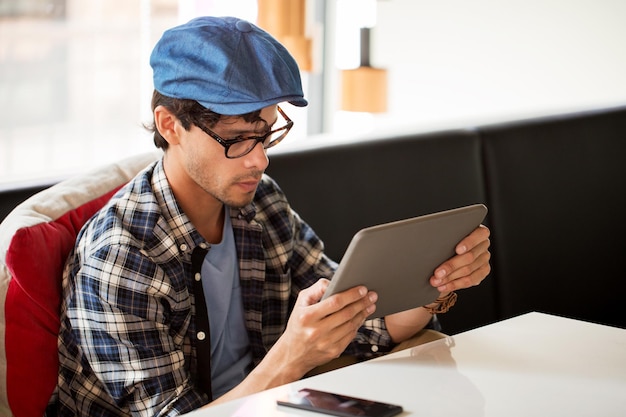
<point>238,147</point>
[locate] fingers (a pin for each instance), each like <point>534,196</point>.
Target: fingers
<point>469,267</point>
<point>346,317</point>
<point>465,277</point>
<point>480,234</point>
<point>323,329</point>
<point>313,294</point>
<point>348,309</point>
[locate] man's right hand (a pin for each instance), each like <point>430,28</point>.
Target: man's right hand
<point>318,331</point>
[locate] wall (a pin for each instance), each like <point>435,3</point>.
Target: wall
<point>76,91</point>
<point>458,62</point>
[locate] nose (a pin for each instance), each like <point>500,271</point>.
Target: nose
<point>257,158</point>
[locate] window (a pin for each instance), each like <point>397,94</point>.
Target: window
<point>75,80</point>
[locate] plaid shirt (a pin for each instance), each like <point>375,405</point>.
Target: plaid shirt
<point>127,343</point>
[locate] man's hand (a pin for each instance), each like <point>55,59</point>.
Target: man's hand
<point>469,267</point>
<point>318,331</point>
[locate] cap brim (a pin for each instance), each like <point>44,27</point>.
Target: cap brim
<point>300,102</point>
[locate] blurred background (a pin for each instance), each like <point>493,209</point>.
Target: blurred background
<point>75,83</point>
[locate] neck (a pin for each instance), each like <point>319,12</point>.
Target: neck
<point>204,211</point>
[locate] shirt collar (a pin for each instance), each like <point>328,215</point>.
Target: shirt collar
<point>183,231</point>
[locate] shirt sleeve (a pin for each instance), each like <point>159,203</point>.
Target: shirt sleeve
<point>129,321</point>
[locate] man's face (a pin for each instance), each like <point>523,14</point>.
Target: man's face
<point>230,181</point>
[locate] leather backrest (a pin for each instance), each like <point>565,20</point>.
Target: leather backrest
<point>557,194</point>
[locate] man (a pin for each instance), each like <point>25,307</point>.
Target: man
<point>203,237</point>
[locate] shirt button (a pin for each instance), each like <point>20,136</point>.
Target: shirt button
<point>374,348</point>
<point>183,247</point>
<point>197,276</point>
<point>201,336</point>
<point>203,245</point>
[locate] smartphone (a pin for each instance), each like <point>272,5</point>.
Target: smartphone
<point>339,405</point>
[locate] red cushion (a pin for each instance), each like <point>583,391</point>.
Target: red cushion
<point>35,239</point>
<point>35,260</point>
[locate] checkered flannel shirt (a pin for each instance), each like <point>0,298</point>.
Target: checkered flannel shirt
<point>127,339</point>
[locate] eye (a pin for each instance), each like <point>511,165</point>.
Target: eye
<point>236,139</point>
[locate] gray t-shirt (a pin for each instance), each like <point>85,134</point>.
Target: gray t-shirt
<point>230,347</point>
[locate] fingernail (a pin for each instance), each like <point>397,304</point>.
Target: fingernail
<point>362,291</point>
<point>373,297</point>
<point>440,273</point>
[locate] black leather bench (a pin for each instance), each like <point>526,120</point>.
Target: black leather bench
<point>557,194</point>
<point>555,188</point>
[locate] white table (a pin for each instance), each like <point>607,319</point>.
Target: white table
<point>531,365</point>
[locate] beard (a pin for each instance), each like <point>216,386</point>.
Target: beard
<point>231,188</point>
<point>229,192</point>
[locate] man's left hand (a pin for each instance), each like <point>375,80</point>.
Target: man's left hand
<point>469,267</point>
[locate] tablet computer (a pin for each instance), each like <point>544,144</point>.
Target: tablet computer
<point>397,259</point>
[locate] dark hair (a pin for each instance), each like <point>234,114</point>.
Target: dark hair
<point>189,112</point>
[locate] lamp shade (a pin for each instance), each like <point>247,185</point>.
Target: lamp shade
<point>364,89</point>
<point>286,21</point>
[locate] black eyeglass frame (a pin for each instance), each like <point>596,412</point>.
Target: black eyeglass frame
<point>258,139</point>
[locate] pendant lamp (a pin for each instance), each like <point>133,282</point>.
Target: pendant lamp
<point>286,21</point>
<point>364,89</point>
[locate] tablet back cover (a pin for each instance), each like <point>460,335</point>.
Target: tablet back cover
<point>397,259</point>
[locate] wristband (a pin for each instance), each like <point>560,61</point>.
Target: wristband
<point>443,303</point>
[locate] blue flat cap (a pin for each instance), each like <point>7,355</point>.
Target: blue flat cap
<point>226,64</point>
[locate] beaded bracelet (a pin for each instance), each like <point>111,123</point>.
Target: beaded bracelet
<point>443,303</point>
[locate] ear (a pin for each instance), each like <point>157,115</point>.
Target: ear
<point>167,124</point>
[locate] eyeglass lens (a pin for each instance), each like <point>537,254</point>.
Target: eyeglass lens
<point>241,148</point>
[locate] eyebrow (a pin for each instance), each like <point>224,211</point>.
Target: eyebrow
<point>240,132</point>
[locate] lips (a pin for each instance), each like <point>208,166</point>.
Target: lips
<point>249,185</point>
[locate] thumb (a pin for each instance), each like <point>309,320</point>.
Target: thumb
<point>313,294</point>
